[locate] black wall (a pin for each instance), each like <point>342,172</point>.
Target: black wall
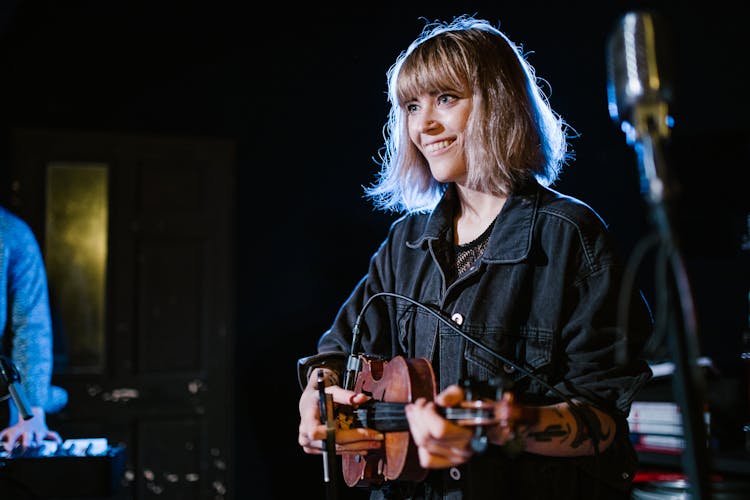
<point>301,90</point>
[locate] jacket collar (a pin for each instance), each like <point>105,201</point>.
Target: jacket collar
<point>510,240</point>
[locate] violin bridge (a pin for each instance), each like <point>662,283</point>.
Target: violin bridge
<point>345,420</point>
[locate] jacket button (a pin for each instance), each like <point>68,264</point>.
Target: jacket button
<point>457,319</point>
<point>455,473</point>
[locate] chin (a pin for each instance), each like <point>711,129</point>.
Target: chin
<point>450,174</point>
<point>444,179</point>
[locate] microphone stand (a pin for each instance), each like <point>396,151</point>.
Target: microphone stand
<point>688,384</point>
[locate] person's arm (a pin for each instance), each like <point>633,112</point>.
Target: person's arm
<point>29,315</point>
<point>561,431</point>
<point>554,430</point>
<point>31,335</point>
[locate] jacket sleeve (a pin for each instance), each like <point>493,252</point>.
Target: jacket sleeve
<point>603,358</point>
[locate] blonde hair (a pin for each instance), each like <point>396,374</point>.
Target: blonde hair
<point>512,132</point>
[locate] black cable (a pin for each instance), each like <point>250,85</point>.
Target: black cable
<point>442,317</point>
<point>628,284</point>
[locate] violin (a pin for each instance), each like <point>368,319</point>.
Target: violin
<point>392,385</point>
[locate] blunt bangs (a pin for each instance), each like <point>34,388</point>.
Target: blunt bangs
<point>436,65</point>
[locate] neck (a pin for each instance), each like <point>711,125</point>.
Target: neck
<point>477,211</point>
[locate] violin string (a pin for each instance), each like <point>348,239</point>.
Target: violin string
<point>391,411</point>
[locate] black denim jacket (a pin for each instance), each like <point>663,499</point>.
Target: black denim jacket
<point>539,307</point>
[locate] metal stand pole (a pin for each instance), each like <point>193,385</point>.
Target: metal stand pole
<point>688,383</point>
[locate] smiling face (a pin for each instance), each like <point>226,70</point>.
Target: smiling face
<point>437,123</point>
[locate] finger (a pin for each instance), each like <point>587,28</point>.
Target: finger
<point>355,440</point>
<point>313,448</point>
<point>450,396</point>
<point>316,447</point>
<point>458,451</point>
<point>345,396</point>
<point>440,442</point>
<point>26,439</point>
<point>362,436</point>
<point>314,432</point>
<point>416,416</point>
<point>53,436</point>
<point>439,453</point>
<point>312,441</point>
<point>423,417</point>
<point>8,441</point>
<point>359,447</point>
<point>430,460</point>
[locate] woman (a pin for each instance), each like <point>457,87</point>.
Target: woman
<point>529,278</point>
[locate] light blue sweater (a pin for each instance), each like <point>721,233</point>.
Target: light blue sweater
<point>24,303</point>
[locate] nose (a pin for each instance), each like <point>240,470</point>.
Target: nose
<point>427,121</point>
<point>428,125</point>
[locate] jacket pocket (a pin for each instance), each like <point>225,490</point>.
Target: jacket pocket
<point>406,333</point>
<point>514,354</point>
<point>417,331</point>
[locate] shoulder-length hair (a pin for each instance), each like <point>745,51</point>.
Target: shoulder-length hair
<point>512,132</point>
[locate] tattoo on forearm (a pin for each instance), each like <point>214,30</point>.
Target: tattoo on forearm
<point>551,431</point>
<point>587,428</point>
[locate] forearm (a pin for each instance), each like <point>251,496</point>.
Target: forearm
<point>31,352</point>
<point>561,431</point>
<point>31,324</point>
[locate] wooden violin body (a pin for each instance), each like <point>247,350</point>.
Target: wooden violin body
<point>402,381</point>
<point>391,385</point>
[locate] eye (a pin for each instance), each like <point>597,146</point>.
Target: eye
<point>446,98</point>
<point>411,107</point>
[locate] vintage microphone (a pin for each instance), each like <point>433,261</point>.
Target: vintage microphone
<point>639,92</point>
<point>10,377</point>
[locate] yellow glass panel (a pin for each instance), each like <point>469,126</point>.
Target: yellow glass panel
<point>76,259</point>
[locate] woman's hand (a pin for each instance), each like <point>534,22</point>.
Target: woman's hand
<point>29,432</point>
<point>313,433</point>
<point>440,442</point>
<point>511,421</point>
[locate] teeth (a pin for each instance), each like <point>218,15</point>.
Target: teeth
<point>435,146</point>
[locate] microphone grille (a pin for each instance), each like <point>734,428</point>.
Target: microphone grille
<point>636,66</point>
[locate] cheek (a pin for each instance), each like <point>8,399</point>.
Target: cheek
<point>460,122</point>
<point>413,133</point>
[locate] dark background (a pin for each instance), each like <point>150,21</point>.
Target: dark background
<point>301,89</point>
